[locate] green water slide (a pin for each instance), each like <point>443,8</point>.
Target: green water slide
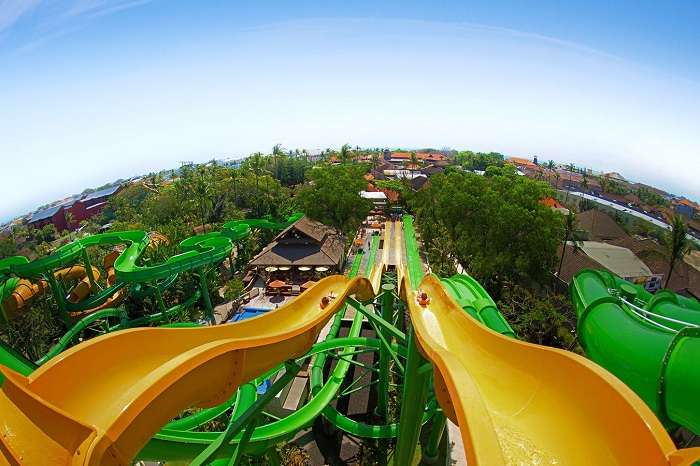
<point>650,342</point>
<point>414,264</point>
<point>473,298</point>
<point>198,252</point>
<point>468,293</point>
<point>179,441</point>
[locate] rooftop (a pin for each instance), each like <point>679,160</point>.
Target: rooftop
<point>521,161</point>
<point>429,156</point>
<point>102,193</point>
<point>46,213</point>
<point>375,195</point>
<point>619,260</point>
<point>306,242</point>
<point>600,225</point>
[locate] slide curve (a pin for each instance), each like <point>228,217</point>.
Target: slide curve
<point>656,353</point>
<point>519,403</point>
<point>101,401</point>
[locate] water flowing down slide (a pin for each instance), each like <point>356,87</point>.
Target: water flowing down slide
<point>651,342</point>
<point>519,403</point>
<point>101,401</point>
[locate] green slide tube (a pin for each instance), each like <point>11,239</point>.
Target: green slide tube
<point>15,361</point>
<point>183,445</point>
<point>474,299</point>
<point>650,354</point>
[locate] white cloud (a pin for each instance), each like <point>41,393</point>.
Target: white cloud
<point>12,10</point>
<point>92,8</point>
<point>55,19</point>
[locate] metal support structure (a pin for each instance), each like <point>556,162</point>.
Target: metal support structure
<point>59,294</point>
<point>88,269</point>
<point>205,294</point>
<point>273,457</point>
<point>439,423</point>
<point>413,402</point>
<point>159,299</point>
<point>384,356</point>
<point>246,420</point>
<point>374,318</point>
<point>247,434</point>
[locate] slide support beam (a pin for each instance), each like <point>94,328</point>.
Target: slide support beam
<point>247,419</point>
<point>205,294</point>
<point>413,401</point>
<point>430,453</point>
<point>384,356</point>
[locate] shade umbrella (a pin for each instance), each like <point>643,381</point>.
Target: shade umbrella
<point>271,268</point>
<point>308,284</point>
<point>376,225</point>
<point>304,268</point>
<point>321,269</point>
<point>276,284</point>
<point>359,242</point>
<point>284,268</point>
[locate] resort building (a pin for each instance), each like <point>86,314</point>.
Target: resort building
<point>306,244</point>
<point>79,209</point>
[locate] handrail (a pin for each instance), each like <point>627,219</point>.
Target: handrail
<point>637,310</point>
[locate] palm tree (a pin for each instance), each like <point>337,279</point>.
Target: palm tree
<point>375,160</point>
<point>569,226</point>
<point>550,168</point>
<point>257,167</point>
<point>414,161</point>
<point>677,244</point>
<point>345,154</point>
<point>235,176</point>
<point>70,219</point>
<point>571,169</point>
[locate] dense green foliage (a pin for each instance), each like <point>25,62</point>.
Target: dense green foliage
<point>289,171</point>
<point>495,225</point>
<point>332,196</point>
<point>608,185</point>
<point>546,319</point>
<point>478,160</point>
<point>205,196</point>
<point>677,244</point>
<point>7,247</point>
<point>651,198</point>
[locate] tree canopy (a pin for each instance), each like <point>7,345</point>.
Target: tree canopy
<point>495,225</point>
<point>478,160</point>
<point>332,196</point>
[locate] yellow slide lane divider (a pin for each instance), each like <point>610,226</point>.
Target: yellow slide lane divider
<point>519,403</point>
<point>99,402</point>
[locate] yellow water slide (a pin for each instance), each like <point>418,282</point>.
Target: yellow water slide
<point>521,404</point>
<point>25,291</point>
<point>101,401</point>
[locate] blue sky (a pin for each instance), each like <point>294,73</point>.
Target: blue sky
<point>94,90</point>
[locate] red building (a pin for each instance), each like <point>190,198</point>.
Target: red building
<point>55,215</point>
<point>79,210</point>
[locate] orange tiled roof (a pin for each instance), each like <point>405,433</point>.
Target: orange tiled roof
<point>521,161</point>
<point>688,203</point>
<point>551,203</point>
<point>429,156</point>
